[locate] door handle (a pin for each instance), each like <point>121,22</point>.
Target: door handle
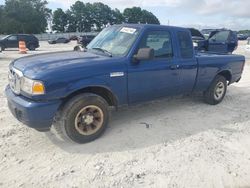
<point>174,67</point>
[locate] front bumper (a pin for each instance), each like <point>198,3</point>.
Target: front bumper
<point>37,115</point>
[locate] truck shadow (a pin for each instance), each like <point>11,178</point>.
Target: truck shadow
<point>163,121</point>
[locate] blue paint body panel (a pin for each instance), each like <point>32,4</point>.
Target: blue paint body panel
<point>38,115</point>
<point>64,73</point>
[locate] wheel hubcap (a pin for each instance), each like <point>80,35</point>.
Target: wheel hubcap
<point>89,120</point>
<point>219,91</point>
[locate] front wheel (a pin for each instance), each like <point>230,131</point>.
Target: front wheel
<point>217,91</point>
<point>77,48</point>
<point>84,118</point>
<point>32,47</point>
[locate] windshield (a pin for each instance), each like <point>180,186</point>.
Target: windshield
<point>115,40</point>
<point>5,37</point>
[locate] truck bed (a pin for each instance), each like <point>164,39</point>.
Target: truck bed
<point>210,64</point>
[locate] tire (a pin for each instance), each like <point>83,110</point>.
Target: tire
<point>32,47</point>
<point>77,48</point>
<point>2,48</point>
<point>217,91</point>
<point>83,119</point>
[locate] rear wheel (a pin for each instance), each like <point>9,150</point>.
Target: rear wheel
<point>84,118</point>
<point>217,91</point>
<point>2,48</point>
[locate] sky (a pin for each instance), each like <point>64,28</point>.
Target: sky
<point>232,14</point>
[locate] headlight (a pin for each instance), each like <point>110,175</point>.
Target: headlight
<point>32,87</point>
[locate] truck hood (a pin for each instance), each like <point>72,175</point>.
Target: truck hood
<point>35,65</point>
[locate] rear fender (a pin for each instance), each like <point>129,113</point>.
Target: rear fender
<point>227,73</point>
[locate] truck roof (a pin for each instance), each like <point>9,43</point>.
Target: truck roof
<point>153,26</point>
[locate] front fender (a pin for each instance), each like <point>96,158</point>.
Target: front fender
<point>60,90</point>
<point>81,84</point>
<point>117,86</point>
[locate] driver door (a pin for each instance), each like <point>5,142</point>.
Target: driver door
<point>157,77</point>
<point>219,42</point>
<point>60,40</point>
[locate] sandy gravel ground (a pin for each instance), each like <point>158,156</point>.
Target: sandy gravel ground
<point>178,142</point>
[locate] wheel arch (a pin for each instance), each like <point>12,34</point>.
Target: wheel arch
<point>226,74</point>
<point>29,44</point>
<point>104,92</point>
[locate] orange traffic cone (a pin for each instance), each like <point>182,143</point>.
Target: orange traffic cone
<point>22,47</point>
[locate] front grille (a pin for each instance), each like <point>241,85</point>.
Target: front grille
<point>15,80</point>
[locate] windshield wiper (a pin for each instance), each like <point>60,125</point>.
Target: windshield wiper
<point>104,51</point>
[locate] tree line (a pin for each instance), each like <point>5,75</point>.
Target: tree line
<point>32,16</point>
<point>24,16</point>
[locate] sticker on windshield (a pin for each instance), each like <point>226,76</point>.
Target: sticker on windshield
<point>128,30</point>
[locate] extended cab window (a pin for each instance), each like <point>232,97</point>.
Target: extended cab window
<point>160,41</point>
<point>186,44</point>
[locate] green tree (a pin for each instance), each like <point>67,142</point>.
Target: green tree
<point>137,15</point>
<point>71,22</point>
<point>25,16</point>
<point>149,17</point>
<point>1,18</point>
<point>82,17</point>
<point>132,15</point>
<point>89,17</point>
<point>60,20</point>
<point>117,17</point>
<point>78,16</point>
<point>102,15</point>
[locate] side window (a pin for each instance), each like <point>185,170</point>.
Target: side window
<point>160,41</point>
<point>186,45</point>
<point>221,36</point>
<point>13,38</point>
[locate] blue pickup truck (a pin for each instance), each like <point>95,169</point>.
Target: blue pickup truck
<point>124,65</point>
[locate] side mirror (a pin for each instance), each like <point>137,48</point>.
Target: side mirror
<point>144,54</point>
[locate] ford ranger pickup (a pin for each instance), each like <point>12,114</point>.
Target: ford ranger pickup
<point>124,65</point>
